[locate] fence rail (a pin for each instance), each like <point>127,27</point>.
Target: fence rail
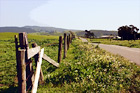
<point>27,79</point>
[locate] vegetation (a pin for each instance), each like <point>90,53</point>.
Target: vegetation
<point>8,79</point>
<point>87,68</point>
<point>128,32</point>
<point>131,43</point>
<point>97,33</point>
<point>89,34</point>
<point>92,70</point>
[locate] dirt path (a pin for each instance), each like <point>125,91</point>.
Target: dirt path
<point>132,54</point>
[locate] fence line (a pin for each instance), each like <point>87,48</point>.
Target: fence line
<point>25,73</point>
<point>65,45</point>
<point>38,68</point>
<point>60,49</point>
<point>41,79</point>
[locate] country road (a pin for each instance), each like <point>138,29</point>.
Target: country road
<point>132,54</point>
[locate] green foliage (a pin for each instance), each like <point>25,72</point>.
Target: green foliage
<point>90,69</point>
<point>87,68</point>
<point>128,32</point>
<point>130,43</point>
<point>8,79</point>
<point>7,35</point>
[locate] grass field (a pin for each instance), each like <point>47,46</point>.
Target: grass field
<point>87,68</point>
<point>130,43</point>
<point>8,59</point>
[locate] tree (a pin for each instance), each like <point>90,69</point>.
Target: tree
<point>89,34</point>
<point>128,32</point>
<point>138,36</point>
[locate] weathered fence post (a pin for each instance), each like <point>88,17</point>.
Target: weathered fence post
<point>60,49</point>
<point>36,57</point>
<point>29,69</point>
<point>67,42</point>
<point>65,45</point>
<point>21,71</point>
<point>16,46</point>
<point>24,63</point>
<point>70,38</point>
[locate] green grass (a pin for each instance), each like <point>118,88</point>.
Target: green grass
<point>7,35</point>
<point>49,34</point>
<point>90,69</point>
<point>130,43</point>
<point>8,59</point>
<point>87,68</point>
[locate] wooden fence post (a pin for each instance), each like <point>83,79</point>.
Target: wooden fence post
<point>36,57</point>
<point>60,49</point>
<point>67,42</point>
<point>65,45</point>
<point>16,46</point>
<point>70,38</point>
<point>29,69</point>
<point>21,71</point>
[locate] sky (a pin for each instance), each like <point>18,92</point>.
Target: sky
<point>70,14</point>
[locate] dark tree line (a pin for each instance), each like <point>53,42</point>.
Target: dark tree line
<point>89,34</point>
<point>128,32</point>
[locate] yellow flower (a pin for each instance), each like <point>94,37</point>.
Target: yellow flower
<point>121,85</point>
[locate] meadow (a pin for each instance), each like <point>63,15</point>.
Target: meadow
<point>87,68</point>
<point>8,79</point>
<point>130,43</point>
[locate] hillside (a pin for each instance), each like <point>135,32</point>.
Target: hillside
<point>53,30</point>
<point>16,29</point>
<point>45,29</point>
<point>98,33</point>
<point>34,29</point>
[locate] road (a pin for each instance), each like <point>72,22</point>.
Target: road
<point>132,54</point>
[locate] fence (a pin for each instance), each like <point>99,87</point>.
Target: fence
<point>27,78</point>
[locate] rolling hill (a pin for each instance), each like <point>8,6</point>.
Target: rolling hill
<point>33,29</point>
<point>53,30</point>
<point>46,29</point>
<point>16,29</point>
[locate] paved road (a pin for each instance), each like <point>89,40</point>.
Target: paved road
<point>132,54</point>
<point>83,40</point>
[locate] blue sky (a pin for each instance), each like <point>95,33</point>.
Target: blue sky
<point>71,14</point>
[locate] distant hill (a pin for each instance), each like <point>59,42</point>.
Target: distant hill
<point>16,29</point>
<point>98,33</point>
<point>53,30</point>
<point>48,29</point>
<point>33,29</point>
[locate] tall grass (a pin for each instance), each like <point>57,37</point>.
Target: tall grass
<point>90,69</point>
